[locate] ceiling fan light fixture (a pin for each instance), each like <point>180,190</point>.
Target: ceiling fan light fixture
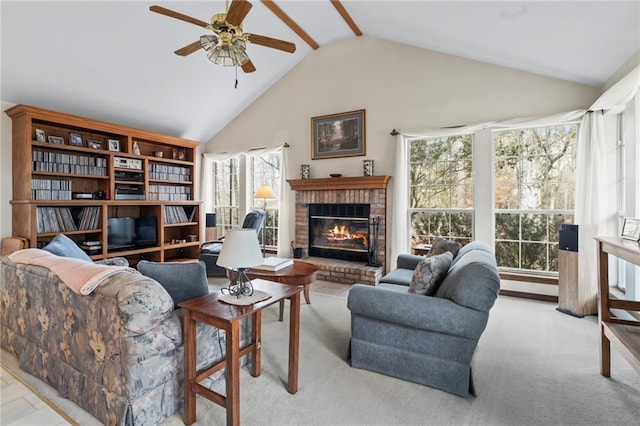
<point>222,55</point>
<point>227,55</point>
<point>208,42</point>
<point>239,49</point>
<point>227,46</point>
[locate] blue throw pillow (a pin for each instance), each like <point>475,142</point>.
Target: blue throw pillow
<point>182,280</point>
<point>61,245</point>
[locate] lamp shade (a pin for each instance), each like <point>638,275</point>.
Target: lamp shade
<point>240,250</point>
<point>264,191</point>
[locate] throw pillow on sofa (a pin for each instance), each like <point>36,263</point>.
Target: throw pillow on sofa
<point>442,245</point>
<point>61,245</point>
<point>182,280</point>
<point>429,273</point>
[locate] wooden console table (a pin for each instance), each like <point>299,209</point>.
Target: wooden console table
<point>624,333</point>
<point>209,310</point>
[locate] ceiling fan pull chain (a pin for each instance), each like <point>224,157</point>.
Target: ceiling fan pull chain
<point>236,75</point>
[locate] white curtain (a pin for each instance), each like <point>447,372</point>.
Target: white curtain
<point>284,199</point>
<point>590,211</point>
<point>398,219</point>
<point>593,214</point>
<point>206,194</point>
<point>549,120</point>
<point>618,95</point>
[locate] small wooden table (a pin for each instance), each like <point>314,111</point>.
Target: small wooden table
<point>624,333</point>
<point>422,249</point>
<point>208,309</point>
<point>300,273</point>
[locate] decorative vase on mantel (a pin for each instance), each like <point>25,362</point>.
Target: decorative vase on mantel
<point>304,171</point>
<point>367,167</point>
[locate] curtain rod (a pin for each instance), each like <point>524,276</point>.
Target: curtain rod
<point>394,132</point>
<point>286,145</point>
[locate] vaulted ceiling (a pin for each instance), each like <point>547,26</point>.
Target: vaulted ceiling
<point>114,60</point>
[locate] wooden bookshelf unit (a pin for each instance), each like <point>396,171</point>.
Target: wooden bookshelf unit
<point>72,174</point>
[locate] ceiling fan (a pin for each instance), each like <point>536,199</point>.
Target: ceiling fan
<point>227,45</point>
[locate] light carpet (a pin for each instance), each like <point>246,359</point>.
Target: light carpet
<point>533,366</point>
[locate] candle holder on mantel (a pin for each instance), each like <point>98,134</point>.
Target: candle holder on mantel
<point>367,167</point>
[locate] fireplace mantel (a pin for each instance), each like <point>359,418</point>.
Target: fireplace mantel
<point>330,184</point>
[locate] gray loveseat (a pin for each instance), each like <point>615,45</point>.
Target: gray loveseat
<point>424,339</point>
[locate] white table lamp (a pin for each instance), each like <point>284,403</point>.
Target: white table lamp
<point>240,251</point>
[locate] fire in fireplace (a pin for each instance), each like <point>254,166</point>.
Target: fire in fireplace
<point>339,231</point>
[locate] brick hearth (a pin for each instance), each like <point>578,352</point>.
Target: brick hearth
<point>363,190</point>
<point>345,272</point>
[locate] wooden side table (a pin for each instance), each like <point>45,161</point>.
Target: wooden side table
<point>300,273</point>
<point>208,309</point>
<point>422,249</point>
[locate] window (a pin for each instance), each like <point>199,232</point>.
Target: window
<point>441,189</point>
<point>265,170</point>
<point>534,185</point>
<point>226,194</point>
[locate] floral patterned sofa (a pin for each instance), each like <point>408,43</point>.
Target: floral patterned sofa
<point>116,352</point>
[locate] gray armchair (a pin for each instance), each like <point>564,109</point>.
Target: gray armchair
<point>210,250</point>
<point>426,339</point>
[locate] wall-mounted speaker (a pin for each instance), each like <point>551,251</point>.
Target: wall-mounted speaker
<point>568,237</point>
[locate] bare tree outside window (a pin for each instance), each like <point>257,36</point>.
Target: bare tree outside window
<point>534,185</point>
<point>226,194</point>
<point>265,170</point>
<point>441,189</point>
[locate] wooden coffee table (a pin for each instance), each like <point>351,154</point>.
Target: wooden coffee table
<point>209,310</point>
<point>300,273</point>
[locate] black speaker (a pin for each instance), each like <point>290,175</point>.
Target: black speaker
<point>210,220</point>
<point>568,240</point>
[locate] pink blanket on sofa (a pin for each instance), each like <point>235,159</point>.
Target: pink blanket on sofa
<point>81,276</point>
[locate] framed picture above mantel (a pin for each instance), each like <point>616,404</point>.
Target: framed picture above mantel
<point>338,135</point>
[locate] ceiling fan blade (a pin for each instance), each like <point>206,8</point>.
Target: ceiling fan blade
<point>238,11</point>
<point>170,13</point>
<point>189,48</point>
<point>274,43</point>
<point>248,66</point>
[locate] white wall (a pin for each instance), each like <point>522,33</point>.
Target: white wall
<point>6,181</point>
<point>400,87</point>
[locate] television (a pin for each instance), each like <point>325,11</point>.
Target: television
<point>146,231</point>
<point>127,232</point>
<point>121,233</point>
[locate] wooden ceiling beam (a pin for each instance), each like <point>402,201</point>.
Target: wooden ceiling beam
<point>290,23</point>
<point>347,18</point>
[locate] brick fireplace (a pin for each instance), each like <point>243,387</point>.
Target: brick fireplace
<point>360,190</point>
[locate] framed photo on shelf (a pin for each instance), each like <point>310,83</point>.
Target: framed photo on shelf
<point>91,143</point>
<point>40,137</point>
<point>56,139</point>
<point>75,139</point>
<point>178,154</point>
<point>631,229</point>
<point>114,145</point>
<point>338,135</point>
